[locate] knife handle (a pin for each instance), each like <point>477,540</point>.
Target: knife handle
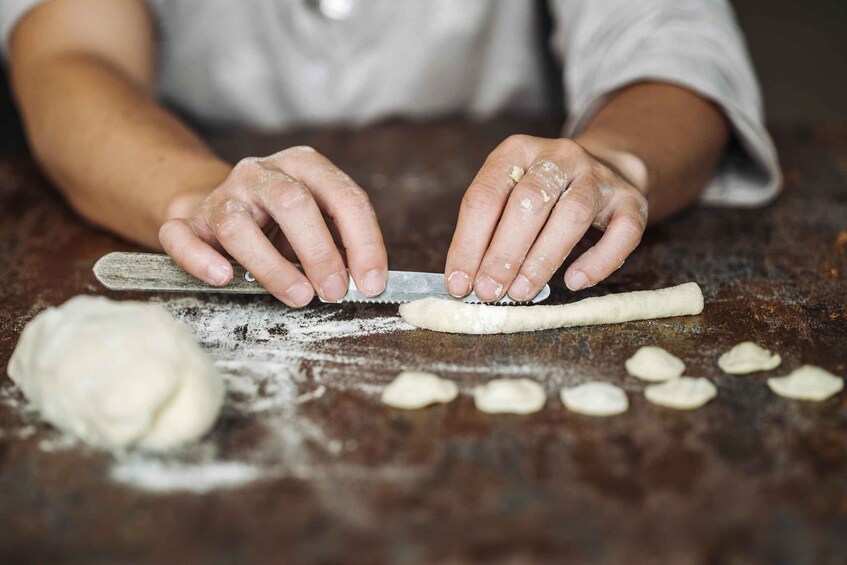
<point>157,272</point>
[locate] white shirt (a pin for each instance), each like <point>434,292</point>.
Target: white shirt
<point>280,64</point>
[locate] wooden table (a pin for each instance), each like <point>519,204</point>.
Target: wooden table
<point>305,464</point>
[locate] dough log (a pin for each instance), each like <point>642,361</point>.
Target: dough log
<point>457,317</point>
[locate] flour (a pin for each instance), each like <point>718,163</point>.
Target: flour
<point>160,476</point>
<point>261,349</point>
<point>281,367</point>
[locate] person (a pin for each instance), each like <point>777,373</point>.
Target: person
<point>663,110</point>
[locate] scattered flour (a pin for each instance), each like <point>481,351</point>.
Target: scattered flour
<point>276,362</point>
<point>160,476</point>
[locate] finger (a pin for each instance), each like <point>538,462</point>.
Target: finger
<point>194,255</point>
<point>570,219</point>
<point>294,209</point>
<point>239,234</point>
<point>280,242</point>
<point>351,211</point>
<point>622,236</point>
<point>525,214</point>
<point>481,208</point>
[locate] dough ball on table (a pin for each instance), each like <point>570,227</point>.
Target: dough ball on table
<point>117,374</point>
<point>595,399</point>
<point>748,357</point>
<point>510,396</point>
<point>415,389</point>
<point>807,383</point>
<point>684,393</point>
<point>651,363</point>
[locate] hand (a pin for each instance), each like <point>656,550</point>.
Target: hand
<point>292,189</point>
<point>511,237</point>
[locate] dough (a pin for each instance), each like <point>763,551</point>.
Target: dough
<point>747,357</point>
<point>452,316</point>
<point>517,173</point>
<point>513,396</point>
<point>595,399</point>
<point>117,374</point>
<point>684,393</point>
<point>415,389</point>
<point>807,383</point>
<point>652,363</point>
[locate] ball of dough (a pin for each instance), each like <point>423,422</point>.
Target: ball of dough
<point>595,399</point>
<point>748,357</point>
<point>415,389</point>
<point>117,374</point>
<point>510,396</point>
<point>684,393</point>
<point>652,363</point>
<point>807,383</point>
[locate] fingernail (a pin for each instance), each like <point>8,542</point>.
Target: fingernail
<point>458,284</point>
<point>576,280</point>
<point>299,294</point>
<point>488,289</point>
<point>373,282</point>
<point>334,287</point>
<point>217,274</point>
<point>521,288</point>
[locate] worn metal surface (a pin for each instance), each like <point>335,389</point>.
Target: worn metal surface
<point>749,478</point>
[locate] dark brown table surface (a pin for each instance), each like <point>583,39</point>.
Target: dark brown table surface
<point>305,464</point>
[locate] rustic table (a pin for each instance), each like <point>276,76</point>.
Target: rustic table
<point>305,464</point>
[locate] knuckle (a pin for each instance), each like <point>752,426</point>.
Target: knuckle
<point>578,210</point>
<point>229,226</point>
<point>230,217</point>
<point>531,198</point>
<point>290,195</point>
<point>248,166</point>
<point>482,197</point>
<point>630,226</point>
<point>319,254</point>
<point>354,196</point>
<point>569,147</point>
<point>170,230</point>
<point>516,140</point>
<point>293,152</point>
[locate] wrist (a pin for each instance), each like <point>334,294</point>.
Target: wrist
<point>626,163</point>
<point>185,201</point>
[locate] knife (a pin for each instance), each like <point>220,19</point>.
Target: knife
<point>154,272</point>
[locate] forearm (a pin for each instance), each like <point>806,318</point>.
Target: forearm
<point>662,138</point>
<point>122,162</point>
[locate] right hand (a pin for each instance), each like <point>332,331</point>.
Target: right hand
<point>292,189</point>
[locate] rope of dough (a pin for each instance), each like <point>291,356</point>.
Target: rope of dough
<point>441,315</point>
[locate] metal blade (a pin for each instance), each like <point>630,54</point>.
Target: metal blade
<point>153,272</point>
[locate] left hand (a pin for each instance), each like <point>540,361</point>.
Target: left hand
<point>511,237</point>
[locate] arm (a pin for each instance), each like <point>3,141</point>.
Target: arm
<point>653,89</point>
<point>82,72</point>
<point>663,139</point>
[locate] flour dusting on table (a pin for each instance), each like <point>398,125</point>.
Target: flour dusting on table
<point>275,362</point>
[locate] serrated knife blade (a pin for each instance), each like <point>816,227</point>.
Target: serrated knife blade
<point>155,272</point>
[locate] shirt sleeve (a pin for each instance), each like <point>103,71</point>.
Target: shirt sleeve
<point>697,44</point>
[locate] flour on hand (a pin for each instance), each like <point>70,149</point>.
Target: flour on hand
<point>517,173</point>
<point>415,389</point>
<point>748,357</point>
<point>117,374</point>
